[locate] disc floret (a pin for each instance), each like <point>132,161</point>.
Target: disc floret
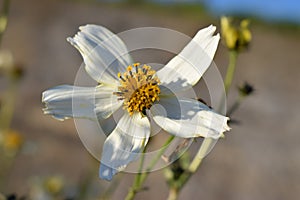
<point>139,88</point>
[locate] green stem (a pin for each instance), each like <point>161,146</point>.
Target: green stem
<point>235,106</point>
<point>208,143</point>
<point>4,17</point>
<point>137,179</point>
<point>111,189</point>
<point>7,108</point>
<point>229,76</point>
<point>9,98</point>
<point>6,164</point>
<point>173,194</point>
<point>195,164</point>
<point>84,185</point>
<point>230,70</point>
<point>142,176</point>
<point>154,161</point>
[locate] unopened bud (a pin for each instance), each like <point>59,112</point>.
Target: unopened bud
<point>246,89</point>
<point>236,36</point>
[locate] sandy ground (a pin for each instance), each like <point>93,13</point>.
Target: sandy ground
<point>259,159</point>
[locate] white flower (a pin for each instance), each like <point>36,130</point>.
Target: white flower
<point>138,88</point>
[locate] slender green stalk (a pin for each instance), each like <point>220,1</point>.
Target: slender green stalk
<point>207,142</point>
<point>111,189</point>
<point>154,161</point>
<point>4,17</point>
<point>142,176</point>
<point>84,185</point>
<point>9,98</point>
<point>8,104</point>
<point>244,92</point>
<point>138,176</point>
<point>6,163</point>
<point>194,165</point>
<point>235,106</point>
<point>230,70</point>
<point>233,54</point>
<point>173,194</point>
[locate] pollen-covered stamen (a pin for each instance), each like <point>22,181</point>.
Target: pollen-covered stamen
<point>120,76</point>
<point>139,89</point>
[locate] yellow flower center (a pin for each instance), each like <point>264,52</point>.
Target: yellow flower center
<point>139,88</point>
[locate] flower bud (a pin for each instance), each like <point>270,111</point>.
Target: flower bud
<point>54,184</point>
<point>12,141</point>
<point>235,36</point>
<point>246,90</point>
<point>9,67</point>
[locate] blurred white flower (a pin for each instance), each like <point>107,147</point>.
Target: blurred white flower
<point>139,89</point>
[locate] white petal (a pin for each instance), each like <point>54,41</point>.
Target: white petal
<point>105,102</point>
<point>66,101</point>
<point>188,118</point>
<point>186,69</point>
<point>103,52</point>
<point>124,144</point>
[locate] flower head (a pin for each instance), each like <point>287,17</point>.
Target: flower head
<point>12,141</point>
<point>236,37</point>
<point>140,90</point>
<point>54,184</point>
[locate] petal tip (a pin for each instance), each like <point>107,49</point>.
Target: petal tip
<point>86,26</point>
<point>71,41</point>
<point>211,29</point>
<point>226,127</point>
<point>105,172</point>
<point>83,27</point>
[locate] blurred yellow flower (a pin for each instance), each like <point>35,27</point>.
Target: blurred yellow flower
<point>12,140</point>
<point>236,37</point>
<point>54,184</point>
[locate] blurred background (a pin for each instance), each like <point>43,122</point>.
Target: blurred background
<point>258,159</point>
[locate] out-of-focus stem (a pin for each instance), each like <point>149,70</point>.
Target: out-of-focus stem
<point>142,176</point>
<point>233,54</point>
<point>208,143</point>
<point>154,161</point>
<point>195,164</point>
<point>4,17</point>
<point>173,194</point>
<point>8,103</point>
<point>235,106</point>
<point>230,70</point>
<point>9,98</point>
<point>111,189</point>
<point>137,180</point>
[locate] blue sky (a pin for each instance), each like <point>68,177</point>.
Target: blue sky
<point>279,10</point>
<point>276,10</point>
